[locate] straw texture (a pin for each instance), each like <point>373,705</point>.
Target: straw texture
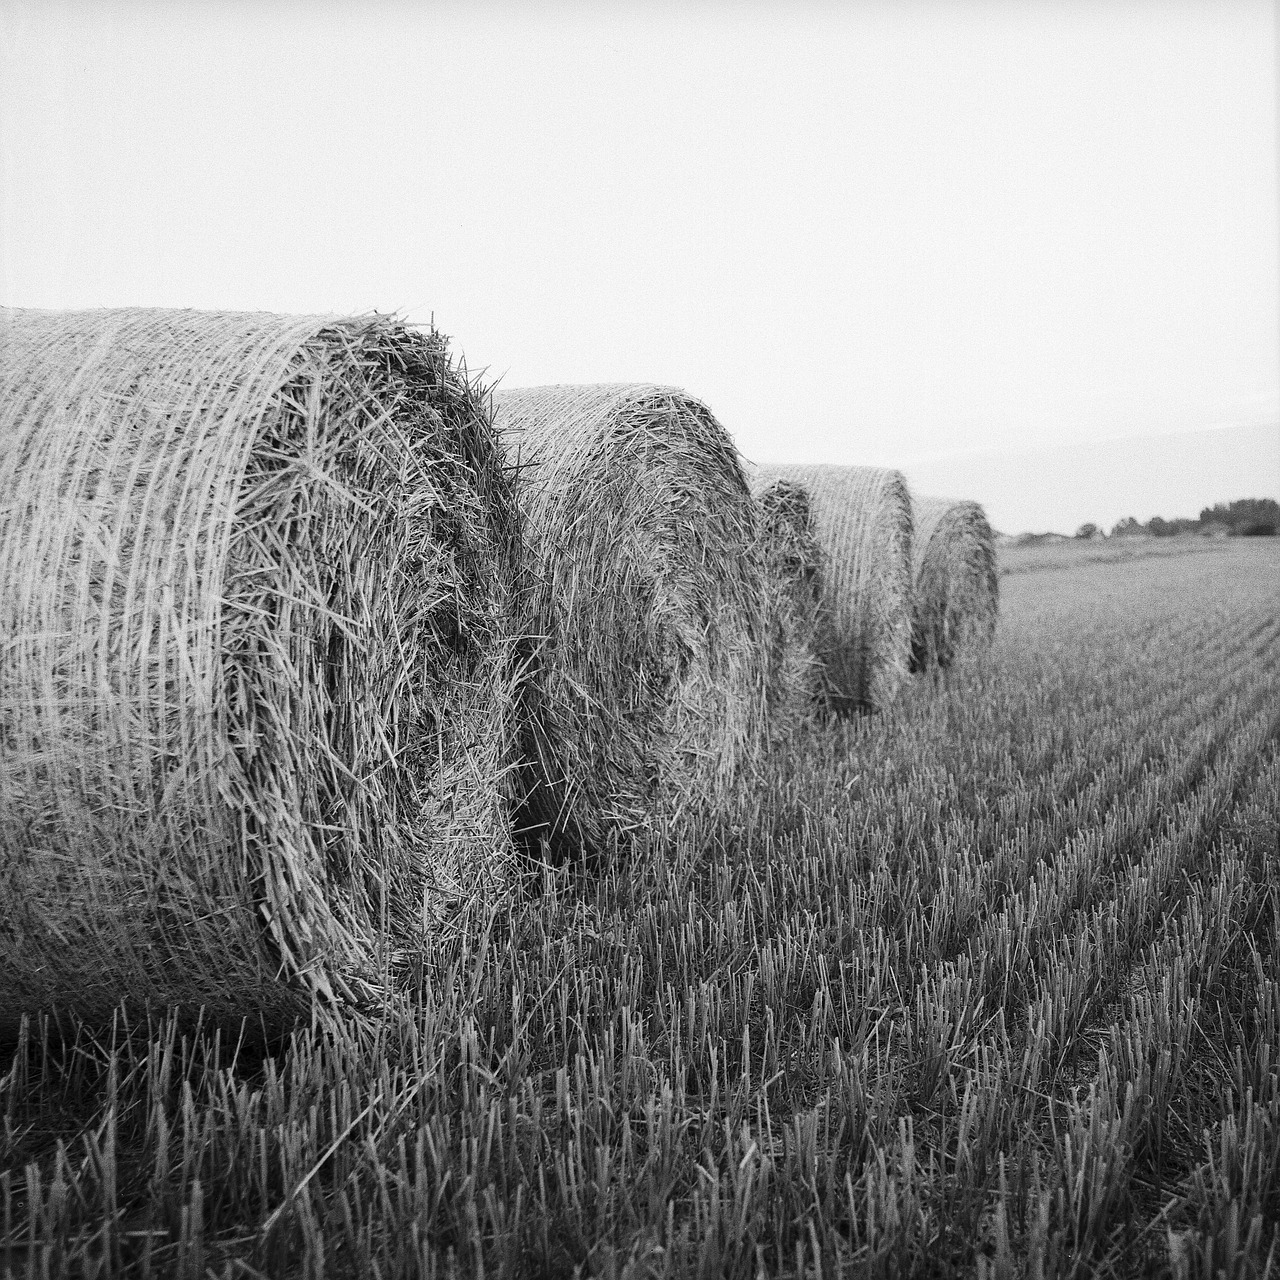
<point>794,577</point>
<point>646,600</point>
<point>257,694</point>
<point>862,520</point>
<point>957,585</point>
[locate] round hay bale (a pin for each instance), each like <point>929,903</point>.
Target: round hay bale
<point>794,574</point>
<point>862,520</point>
<point>646,599</point>
<point>257,686</point>
<point>957,584</point>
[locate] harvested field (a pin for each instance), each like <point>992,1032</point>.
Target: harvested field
<point>1071,554</point>
<point>987,985</point>
<point>862,521</point>
<point>957,586</point>
<point>257,697</point>
<point>646,602</point>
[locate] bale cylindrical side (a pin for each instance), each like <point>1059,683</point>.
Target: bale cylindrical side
<point>257,683</point>
<point>957,585</point>
<point>794,578</point>
<point>862,519</point>
<point>646,600</point>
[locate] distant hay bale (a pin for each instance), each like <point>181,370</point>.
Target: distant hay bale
<point>646,598</point>
<point>256,686</point>
<point>957,584</point>
<point>862,520</point>
<point>794,574</point>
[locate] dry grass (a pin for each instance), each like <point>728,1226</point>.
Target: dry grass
<point>957,587</point>
<point>794,566</point>
<point>257,696</point>
<point>646,597</point>
<point>862,519</point>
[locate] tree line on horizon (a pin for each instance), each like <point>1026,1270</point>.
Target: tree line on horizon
<point>1245,517</point>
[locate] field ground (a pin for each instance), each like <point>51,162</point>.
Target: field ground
<point>988,985</point>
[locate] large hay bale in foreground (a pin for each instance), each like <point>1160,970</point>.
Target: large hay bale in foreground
<point>862,518</point>
<point>256,686</point>
<point>794,575</point>
<point>957,584</point>
<point>646,598</point>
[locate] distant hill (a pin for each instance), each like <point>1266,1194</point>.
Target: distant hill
<point>1030,539</point>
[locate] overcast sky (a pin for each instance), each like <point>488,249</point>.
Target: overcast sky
<point>887,232</point>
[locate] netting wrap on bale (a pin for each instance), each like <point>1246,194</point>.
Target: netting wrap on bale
<point>957,584</point>
<point>862,520</point>
<point>794,576</point>
<point>257,688</point>
<point>646,600</point>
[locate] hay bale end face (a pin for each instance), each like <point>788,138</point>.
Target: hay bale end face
<point>793,563</point>
<point>957,584</point>
<point>646,599</point>
<point>257,695</point>
<point>862,521</point>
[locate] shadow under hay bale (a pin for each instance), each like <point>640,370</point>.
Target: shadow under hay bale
<point>794,574</point>
<point>862,520</point>
<point>258,693</point>
<point>957,584</point>
<point>646,598</point>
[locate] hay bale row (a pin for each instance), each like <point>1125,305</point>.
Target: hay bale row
<point>957,586</point>
<point>645,599</point>
<point>257,687</point>
<point>862,522</point>
<point>290,635</point>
